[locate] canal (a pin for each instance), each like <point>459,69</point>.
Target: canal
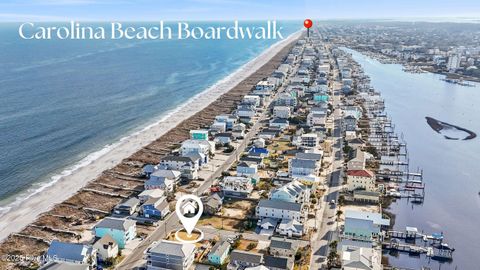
<point>451,167</point>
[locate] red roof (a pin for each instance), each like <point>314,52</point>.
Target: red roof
<point>361,173</point>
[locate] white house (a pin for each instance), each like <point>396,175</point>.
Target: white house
<point>360,179</point>
<point>290,227</point>
<point>281,123</point>
<point>281,112</point>
<point>152,193</point>
<point>237,186</point>
<point>316,119</point>
<point>304,169</point>
<point>106,247</point>
<point>364,226</point>
<point>251,100</point>
<point>187,166</point>
<point>228,119</point>
<point>247,169</point>
<point>238,130</point>
<point>292,192</point>
<point>265,85</point>
<point>279,209</point>
<point>309,140</point>
<point>355,257</point>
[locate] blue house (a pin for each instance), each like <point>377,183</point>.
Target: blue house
<point>122,230</point>
<point>219,253</point>
<point>155,208</point>
<point>71,253</point>
<point>263,152</point>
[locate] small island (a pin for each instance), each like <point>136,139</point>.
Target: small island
<point>450,131</point>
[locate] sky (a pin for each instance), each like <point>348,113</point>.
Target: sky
<point>191,10</point>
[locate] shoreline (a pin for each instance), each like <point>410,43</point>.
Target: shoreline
<point>134,149</point>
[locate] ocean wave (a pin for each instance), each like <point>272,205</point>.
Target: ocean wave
<point>218,88</point>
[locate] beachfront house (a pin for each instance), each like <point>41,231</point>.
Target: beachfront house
<point>228,119</point>
<point>187,166</point>
<point>364,226</point>
<point>106,248</point>
<point>236,186</point>
<point>71,253</point>
<point>242,259</point>
<point>199,134</point>
<point>151,193</point>
<point>294,191</point>
<point>156,208</point>
<point>127,207</point>
<point>219,253</point>
<point>170,255</point>
<point>202,147</point>
<point>361,179</point>
<point>265,85</point>
<point>122,230</point>
<point>304,169</point>
<point>251,100</point>
<point>161,183</point>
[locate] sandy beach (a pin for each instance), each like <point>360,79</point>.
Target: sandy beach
<point>25,212</point>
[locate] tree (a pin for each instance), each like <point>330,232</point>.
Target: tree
<point>339,214</point>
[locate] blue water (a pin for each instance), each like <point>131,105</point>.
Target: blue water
<point>451,171</point>
<point>63,99</point>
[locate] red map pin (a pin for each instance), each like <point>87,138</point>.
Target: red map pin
<point>308,23</point>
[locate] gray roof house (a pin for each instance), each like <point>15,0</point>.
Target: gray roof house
<point>64,266</point>
<point>282,246</point>
<point>242,259</point>
<point>278,263</point>
<point>170,255</point>
<point>71,252</point>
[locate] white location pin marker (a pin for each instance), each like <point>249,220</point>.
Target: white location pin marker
<point>189,209</point>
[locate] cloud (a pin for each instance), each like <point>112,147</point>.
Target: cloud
<point>15,17</point>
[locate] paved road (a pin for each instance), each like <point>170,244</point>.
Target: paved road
<point>328,225</point>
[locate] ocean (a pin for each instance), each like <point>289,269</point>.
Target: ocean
<point>63,103</point>
<point>450,167</point>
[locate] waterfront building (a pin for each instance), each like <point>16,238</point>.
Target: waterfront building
<point>199,134</point>
<point>361,179</point>
<point>122,230</point>
<point>364,226</point>
<point>127,207</point>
